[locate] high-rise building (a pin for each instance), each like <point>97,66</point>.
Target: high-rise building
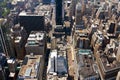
<point>32,21</point>
<point>59,31</point>
<point>118,54</point>
<point>2,74</point>
<point>1,45</point>
<point>83,43</point>
<point>108,65</point>
<point>119,6</point>
<point>36,43</point>
<point>19,38</point>
<point>87,69</point>
<point>59,12</point>
<point>19,47</point>
<point>12,65</point>
<point>73,8</point>
<point>57,68</point>
<point>3,62</point>
<point>118,76</point>
<point>5,38</point>
<point>78,13</point>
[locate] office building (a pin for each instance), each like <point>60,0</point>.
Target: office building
<point>1,45</point>
<point>118,7</point>
<point>72,8</point>
<point>51,63</point>
<point>68,26</point>
<point>108,61</point>
<point>47,10</point>
<point>97,39</point>
<point>59,12</point>
<point>32,68</point>
<point>5,40</point>
<point>118,54</point>
<point>78,13</point>
<point>2,74</point>
<point>12,65</point>
<point>18,30</point>
<point>2,38</point>
<point>36,43</point>
<point>83,43</point>
<point>3,64</point>
<point>112,27</point>
<point>86,66</point>
<point>118,76</point>
<point>59,31</point>
<point>118,28</point>
<point>57,68</point>
<point>19,38</point>
<point>57,64</point>
<point>100,13</point>
<point>32,21</point>
<point>19,48</point>
<point>53,43</point>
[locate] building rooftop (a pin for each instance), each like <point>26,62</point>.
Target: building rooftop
<point>35,38</point>
<point>57,67</point>
<point>14,2</point>
<point>108,58</point>
<point>23,13</point>
<point>30,67</point>
<point>10,61</point>
<point>87,66</point>
<point>46,10</point>
<point>61,66</point>
<point>85,51</point>
<point>51,62</point>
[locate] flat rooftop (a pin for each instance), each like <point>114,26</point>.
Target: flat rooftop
<point>30,67</point>
<point>87,67</point>
<point>109,63</point>
<point>23,13</point>
<point>35,38</point>
<point>57,67</point>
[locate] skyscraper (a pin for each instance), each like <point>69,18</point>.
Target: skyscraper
<point>32,21</point>
<point>2,75</point>
<point>72,7</point>
<point>59,12</point>
<point>3,48</point>
<point>5,39</point>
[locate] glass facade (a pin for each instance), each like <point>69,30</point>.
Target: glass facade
<point>1,48</point>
